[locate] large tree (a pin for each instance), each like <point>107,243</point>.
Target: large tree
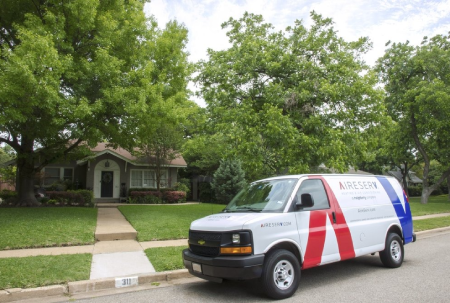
<point>290,100</point>
<point>417,84</point>
<point>160,139</point>
<point>72,72</point>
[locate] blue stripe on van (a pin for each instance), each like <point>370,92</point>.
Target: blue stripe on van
<point>404,215</point>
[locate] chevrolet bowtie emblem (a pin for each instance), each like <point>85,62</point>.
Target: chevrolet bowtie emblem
<point>201,242</point>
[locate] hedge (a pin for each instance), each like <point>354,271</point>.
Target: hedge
<point>156,197</point>
<point>72,198</point>
<point>8,197</point>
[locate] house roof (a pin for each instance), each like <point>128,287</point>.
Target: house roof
<point>121,153</point>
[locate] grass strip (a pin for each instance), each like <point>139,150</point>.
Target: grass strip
<point>166,222</point>
<point>46,227</point>
<point>435,205</point>
<point>44,270</point>
<point>426,224</point>
<point>166,258</point>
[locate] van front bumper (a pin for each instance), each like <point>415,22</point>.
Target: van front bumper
<point>225,267</point>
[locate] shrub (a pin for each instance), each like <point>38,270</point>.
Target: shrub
<point>88,196</point>
<point>183,184</point>
<point>74,197</point>
<point>174,196</point>
<point>228,180</point>
<point>8,197</point>
<point>144,189</point>
<point>145,197</point>
<point>415,191</point>
<point>206,193</point>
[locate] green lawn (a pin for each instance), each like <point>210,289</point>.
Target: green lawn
<point>166,258</point>
<point>425,224</point>
<point>165,222</point>
<point>435,205</point>
<point>43,270</point>
<point>46,226</point>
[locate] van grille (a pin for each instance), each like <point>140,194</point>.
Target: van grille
<point>211,243</point>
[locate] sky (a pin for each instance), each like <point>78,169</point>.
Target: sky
<point>380,20</point>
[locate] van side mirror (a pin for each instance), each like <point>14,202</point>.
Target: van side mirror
<point>306,201</point>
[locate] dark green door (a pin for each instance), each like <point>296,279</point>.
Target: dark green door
<point>107,184</point>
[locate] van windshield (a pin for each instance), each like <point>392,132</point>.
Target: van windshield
<point>263,196</point>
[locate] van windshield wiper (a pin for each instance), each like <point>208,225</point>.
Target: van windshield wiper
<point>248,208</point>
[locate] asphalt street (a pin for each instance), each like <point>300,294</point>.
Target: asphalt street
<point>423,277</point>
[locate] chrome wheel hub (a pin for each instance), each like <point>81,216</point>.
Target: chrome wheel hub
<point>283,274</point>
<point>396,251</point>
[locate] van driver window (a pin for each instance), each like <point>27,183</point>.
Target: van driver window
<point>315,188</point>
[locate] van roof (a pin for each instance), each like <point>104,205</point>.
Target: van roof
<point>328,175</point>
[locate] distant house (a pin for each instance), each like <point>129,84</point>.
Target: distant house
<point>110,172</point>
<point>411,178</point>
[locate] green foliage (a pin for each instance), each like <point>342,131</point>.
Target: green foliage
<point>8,197</point>
<point>78,72</point>
<point>414,191</point>
<point>206,193</point>
<point>228,180</point>
<point>287,101</point>
<point>145,197</point>
<point>44,270</point>
<point>418,99</point>
<point>183,185</point>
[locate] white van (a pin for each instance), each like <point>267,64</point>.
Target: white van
<point>275,227</point>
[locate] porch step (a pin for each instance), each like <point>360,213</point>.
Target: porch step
<point>112,225</point>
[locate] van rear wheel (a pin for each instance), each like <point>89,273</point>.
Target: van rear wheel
<point>281,274</point>
<point>393,253</point>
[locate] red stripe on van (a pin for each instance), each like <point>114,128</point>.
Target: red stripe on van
<point>316,239</point>
<point>343,235</point>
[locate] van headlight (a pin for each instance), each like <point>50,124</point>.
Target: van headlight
<point>237,243</point>
<point>236,238</point>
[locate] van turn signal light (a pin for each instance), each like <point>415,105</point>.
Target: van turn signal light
<point>236,250</point>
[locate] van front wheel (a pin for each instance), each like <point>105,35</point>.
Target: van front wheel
<point>281,274</point>
<point>392,255</point>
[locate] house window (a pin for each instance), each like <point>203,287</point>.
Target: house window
<point>147,178</point>
<point>51,175</point>
<point>54,174</point>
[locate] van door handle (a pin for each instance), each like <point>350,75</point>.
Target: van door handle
<point>334,217</point>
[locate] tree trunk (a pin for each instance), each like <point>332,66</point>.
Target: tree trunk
<point>448,187</point>
<point>25,178</point>
<point>426,192</point>
<point>404,180</point>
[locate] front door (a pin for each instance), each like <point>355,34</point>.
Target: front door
<point>107,184</point>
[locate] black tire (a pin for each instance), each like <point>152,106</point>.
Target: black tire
<point>281,274</point>
<point>393,253</point>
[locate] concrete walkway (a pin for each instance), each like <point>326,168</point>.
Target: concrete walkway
<point>116,251</point>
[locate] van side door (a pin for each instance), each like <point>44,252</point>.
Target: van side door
<point>324,235</point>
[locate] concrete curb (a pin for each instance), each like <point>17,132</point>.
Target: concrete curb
<point>79,287</point>
<point>15,294</point>
<point>108,283</point>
